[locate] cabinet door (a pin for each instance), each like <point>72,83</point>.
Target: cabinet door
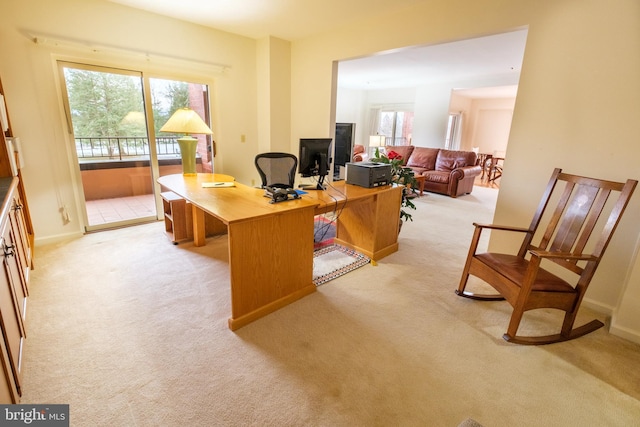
<point>21,240</point>
<point>8,387</point>
<point>12,302</point>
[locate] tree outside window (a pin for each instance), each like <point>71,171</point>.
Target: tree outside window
<point>396,126</point>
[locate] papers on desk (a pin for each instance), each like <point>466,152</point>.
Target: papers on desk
<point>218,184</point>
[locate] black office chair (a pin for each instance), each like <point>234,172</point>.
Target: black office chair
<point>277,169</point>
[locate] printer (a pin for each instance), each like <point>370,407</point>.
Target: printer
<point>368,174</point>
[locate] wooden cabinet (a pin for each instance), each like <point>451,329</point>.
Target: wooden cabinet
<point>177,223</point>
<point>16,252</point>
<point>178,219</point>
<point>13,298</point>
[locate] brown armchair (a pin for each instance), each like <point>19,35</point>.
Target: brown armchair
<point>359,153</point>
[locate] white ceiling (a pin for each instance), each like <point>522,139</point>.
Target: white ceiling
<point>285,19</point>
<point>498,56</point>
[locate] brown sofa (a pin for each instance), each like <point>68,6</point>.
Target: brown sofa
<point>446,171</point>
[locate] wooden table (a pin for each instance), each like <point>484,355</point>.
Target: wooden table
<point>271,245</point>
<point>483,161</point>
<point>495,171</point>
<point>420,179</point>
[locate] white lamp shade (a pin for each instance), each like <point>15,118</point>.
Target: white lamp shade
<point>186,121</point>
<point>377,140</point>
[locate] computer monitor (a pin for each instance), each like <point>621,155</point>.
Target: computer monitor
<point>314,159</point>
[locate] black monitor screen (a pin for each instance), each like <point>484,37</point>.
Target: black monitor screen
<point>315,157</point>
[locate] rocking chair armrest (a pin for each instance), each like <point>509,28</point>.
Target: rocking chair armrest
<point>562,255</point>
<point>501,227</point>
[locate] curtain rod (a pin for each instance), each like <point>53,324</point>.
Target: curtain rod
<point>47,40</point>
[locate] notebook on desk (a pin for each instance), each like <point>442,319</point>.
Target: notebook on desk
<point>218,184</point>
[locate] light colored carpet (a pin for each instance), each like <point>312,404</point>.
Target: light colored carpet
<point>131,330</point>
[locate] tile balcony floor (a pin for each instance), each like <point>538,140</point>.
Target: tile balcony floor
<point>105,211</point>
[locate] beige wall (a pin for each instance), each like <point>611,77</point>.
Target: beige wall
<point>489,124</point>
<point>577,104</point>
<point>274,94</point>
<point>486,122</point>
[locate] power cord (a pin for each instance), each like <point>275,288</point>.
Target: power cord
<point>321,232</point>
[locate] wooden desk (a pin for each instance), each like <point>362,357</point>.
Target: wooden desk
<point>271,245</point>
<point>368,218</point>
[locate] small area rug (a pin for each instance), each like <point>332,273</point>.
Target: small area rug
<point>333,261</point>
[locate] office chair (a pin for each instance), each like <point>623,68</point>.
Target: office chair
<point>277,169</point>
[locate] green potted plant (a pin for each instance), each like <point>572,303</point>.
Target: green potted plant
<point>400,175</point>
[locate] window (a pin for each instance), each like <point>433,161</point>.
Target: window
<point>396,126</point>
<point>454,131</point>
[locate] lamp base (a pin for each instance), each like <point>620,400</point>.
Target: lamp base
<point>188,146</point>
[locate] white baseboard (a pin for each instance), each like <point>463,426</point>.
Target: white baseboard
<point>626,333</point>
<point>614,328</point>
<point>598,306</point>
<point>58,238</point>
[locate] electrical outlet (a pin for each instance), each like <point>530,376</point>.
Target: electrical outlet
<point>243,138</point>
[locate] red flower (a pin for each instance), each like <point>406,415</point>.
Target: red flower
<point>392,155</point>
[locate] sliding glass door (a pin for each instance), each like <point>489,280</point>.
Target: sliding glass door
<point>168,96</point>
<point>107,113</point>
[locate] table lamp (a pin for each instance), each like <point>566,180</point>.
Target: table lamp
<point>188,122</point>
<point>376,141</point>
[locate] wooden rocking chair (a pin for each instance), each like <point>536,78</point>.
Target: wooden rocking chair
<point>522,281</point>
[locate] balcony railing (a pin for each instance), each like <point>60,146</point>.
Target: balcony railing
<point>122,147</point>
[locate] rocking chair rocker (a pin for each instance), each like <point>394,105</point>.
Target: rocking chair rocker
<point>522,281</point>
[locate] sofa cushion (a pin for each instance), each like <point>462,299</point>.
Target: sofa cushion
<point>403,150</point>
<point>423,157</point>
<point>448,160</point>
<point>441,177</point>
